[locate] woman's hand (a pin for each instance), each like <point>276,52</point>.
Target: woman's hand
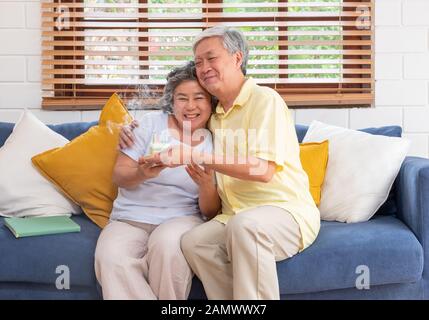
<point>203,177</point>
<point>208,198</point>
<point>126,135</point>
<point>149,170</point>
<point>172,157</point>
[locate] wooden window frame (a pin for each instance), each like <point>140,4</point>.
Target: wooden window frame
<point>332,95</point>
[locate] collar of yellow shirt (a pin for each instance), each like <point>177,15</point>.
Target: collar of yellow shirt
<point>241,99</point>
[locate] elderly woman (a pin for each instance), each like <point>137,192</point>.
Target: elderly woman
<point>138,253</point>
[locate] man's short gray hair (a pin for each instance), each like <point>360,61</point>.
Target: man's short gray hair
<point>176,77</point>
<point>233,41</point>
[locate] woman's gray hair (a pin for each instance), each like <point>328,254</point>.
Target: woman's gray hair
<point>233,41</point>
<point>174,79</point>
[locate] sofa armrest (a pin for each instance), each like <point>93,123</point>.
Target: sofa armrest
<point>412,194</point>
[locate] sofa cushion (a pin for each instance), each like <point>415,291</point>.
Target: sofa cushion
<point>42,291</point>
<point>5,131</point>
<point>67,130</point>
<point>384,244</point>
<point>360,173</point>
<point>72,130</point>
<point>314,159</point>
<point>389,206</point>
<point>390,131</point>
<point>35,259</point>
<point>24,191</point>
<point>301,131</point>
<point>82,169</point>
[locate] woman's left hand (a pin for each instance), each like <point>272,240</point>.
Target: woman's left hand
<point>203,177</point>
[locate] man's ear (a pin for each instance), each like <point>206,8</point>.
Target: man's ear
<point>239,59</point>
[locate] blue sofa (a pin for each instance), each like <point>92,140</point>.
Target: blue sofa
<point>394,245</point>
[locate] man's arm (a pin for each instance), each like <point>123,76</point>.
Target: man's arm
<point>244,168</point>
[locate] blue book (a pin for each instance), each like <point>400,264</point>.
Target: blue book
<point>37,226</point>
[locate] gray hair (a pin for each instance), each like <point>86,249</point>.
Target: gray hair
<point>174,79</point>
<point>233,41</point>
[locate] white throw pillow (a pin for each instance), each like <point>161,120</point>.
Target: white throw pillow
<point>23,190</point>
<point>360,173</point>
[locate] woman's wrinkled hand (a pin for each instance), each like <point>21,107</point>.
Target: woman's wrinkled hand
<point>149,170</point>
<point>203,177</point>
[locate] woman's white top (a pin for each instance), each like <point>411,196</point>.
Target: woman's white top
<point>171,194</point>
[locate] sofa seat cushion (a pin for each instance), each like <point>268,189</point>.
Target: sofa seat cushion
<point>384,244</point>
<point>35,259</point>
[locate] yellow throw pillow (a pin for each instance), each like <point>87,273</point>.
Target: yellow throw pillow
<point>314,159</point>
<point>83,168</point>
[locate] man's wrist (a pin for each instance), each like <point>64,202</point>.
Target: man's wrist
<point>206,159</point>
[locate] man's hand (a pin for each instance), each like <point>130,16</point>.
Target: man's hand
<point>126,135</point>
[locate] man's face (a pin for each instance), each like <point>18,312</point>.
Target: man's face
<point>215,66</point>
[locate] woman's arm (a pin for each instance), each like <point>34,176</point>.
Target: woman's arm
<point>126,135</point>
<point>129,173</point>
<point>208,200</point>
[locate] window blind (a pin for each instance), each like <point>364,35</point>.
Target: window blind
<point>313,52</point>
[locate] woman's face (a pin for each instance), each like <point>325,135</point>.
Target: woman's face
<point>191,103</point>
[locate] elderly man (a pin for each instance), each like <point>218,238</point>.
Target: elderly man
<point>268,213</point>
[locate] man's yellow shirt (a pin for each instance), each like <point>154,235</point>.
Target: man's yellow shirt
<point>259,124</point>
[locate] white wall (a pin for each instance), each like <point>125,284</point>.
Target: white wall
<point>402,72</point>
